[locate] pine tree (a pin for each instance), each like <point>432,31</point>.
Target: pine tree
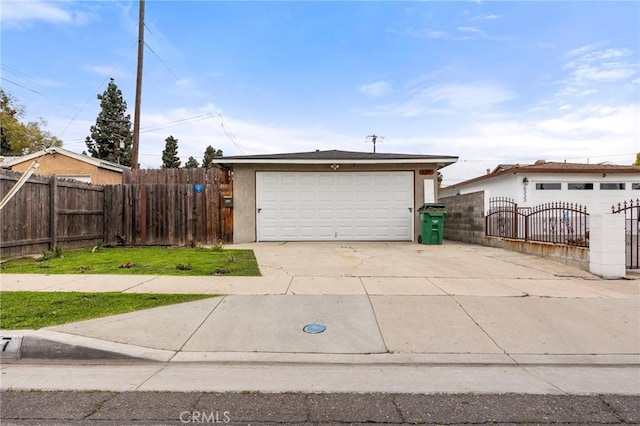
<point>170,159</point>
<point>111,138</point>
<point>191,163</point>
<point>209,154</point>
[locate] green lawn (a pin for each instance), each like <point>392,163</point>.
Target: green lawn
<point>139,261</point>
<point>33,310</point>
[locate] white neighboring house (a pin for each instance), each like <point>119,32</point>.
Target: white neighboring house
<point>596,186</point>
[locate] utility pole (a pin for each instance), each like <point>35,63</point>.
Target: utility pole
<point>374,139</point>
<point>136,117</point>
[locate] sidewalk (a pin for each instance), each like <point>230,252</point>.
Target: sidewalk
<point>544,330</point>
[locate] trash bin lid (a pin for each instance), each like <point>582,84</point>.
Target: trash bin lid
<point>432,206</point>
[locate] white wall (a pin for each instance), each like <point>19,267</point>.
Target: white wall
<point>607,246</point>
<point>500,186</point>
<point>596,200</point>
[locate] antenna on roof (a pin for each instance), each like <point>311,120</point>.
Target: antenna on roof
<point>374,139</point>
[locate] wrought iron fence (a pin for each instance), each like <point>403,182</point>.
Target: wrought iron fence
<point>631,212</point>
<point>558,222</point>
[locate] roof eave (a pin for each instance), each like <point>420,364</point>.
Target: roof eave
<point>101,164</point>
<point>525,170</point>
<point>443,161</point>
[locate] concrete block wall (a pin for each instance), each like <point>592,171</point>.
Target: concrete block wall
<point>607,245</point>
<point>465,218</point>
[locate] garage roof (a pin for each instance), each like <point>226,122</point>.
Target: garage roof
<point>337,156</point>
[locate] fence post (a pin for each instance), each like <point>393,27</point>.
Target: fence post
<point>53,211</point>
<point>607,246</point>
<point>515,221</point>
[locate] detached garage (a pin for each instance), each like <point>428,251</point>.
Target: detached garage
<point>331,195</point>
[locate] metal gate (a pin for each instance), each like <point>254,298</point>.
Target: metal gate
<point>557,223</point>
<point>631,211</point>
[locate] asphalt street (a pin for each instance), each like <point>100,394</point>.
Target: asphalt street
<point>175,408</point>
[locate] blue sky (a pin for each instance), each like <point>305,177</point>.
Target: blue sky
<point>489,82</point>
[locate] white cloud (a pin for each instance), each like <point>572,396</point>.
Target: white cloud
<point>428,33</point>
<point>449,98</point>
<point>470,30</point>
<point>595,66</point>
<point>461,33</point>
<point>108,70</point>
<point>377,89</point>
<point>490,17</point>
<point>465,96</point>
<point>19,13</point>
<point>196,128</point>
<point>581,50</point>
<point>603,73</point>
<point>184,82</point>
<point>586,133</point>
<point>620,120</point>
<point>591,133</point>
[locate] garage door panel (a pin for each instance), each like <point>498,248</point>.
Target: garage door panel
<point>270,196</point>
<point>289,214</point>
<point>326,196</point>
<point>325,214</point>
<point>306,215</point>
<point>334,206</point>
<point>270,215</point>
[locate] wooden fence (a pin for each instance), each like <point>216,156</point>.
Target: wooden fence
<point>181,207</point>
<point>169,207</point>
<point>49,211</point>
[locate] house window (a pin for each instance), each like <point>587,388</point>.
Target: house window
<point>635,185</point>
<point>581,186</point>
<point>548,186</point>
<point>613,186</point>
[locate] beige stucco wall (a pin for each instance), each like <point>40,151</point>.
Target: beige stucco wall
<point>58,164</point>
<point>244,190</point>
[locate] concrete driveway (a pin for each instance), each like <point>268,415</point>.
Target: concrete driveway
<point>381,259</point>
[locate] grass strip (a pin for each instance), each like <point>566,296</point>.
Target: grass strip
<point>175,261</point>
<point>33,310</point>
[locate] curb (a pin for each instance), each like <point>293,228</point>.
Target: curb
<point>32,345</point>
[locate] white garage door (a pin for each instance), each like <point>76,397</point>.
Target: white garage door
<point>308,206</point>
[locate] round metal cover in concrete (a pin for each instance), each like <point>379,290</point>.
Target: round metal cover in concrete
<point>353,325</point>
<point>314,328</point>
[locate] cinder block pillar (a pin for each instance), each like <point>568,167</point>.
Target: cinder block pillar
<point>607,245</point>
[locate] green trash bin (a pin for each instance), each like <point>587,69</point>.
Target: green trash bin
<point>432,217</point>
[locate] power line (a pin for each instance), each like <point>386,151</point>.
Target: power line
<point>227,132</point>
<point>172,123</point>
<point>157,55</point>
<point>24,87</point>
<point>161,61</point>
<point>24,76</point>
<point>91,97</point>
<point>167,125</point>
